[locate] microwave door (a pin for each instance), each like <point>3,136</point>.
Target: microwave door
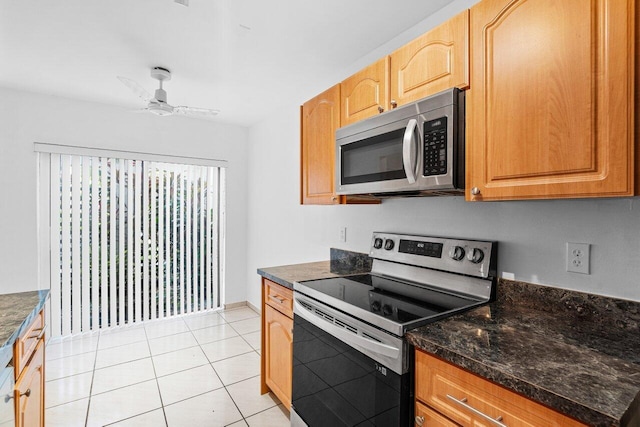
<point>373,160</point>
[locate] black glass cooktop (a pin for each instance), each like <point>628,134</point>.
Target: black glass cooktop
<point>395,301</point>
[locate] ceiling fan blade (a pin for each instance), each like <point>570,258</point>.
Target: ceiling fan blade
<point>136,88</point>
<point>195,112</point>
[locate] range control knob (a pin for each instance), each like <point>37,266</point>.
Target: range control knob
<point>475,255</point>
<point>388,244</point>
<point>375,305</point>
<point>456,253</point>
<point>387,310</point>
<point>377,243</point>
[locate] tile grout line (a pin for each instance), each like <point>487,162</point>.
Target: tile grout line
<point>93,373</point>
<point>225,385</point>
<point>155,375</point>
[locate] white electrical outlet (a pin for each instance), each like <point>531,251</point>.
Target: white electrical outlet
<point>343,234</point>
<point>578,257</point>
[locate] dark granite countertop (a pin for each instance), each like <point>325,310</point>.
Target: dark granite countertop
<point>573,352</point>
<point>16,313</point>
<point>341,263</point>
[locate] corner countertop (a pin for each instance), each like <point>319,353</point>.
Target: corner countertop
<point>342,263</point>
<point>285,275</point>
<point>16,313</point>
<point>576,353</point>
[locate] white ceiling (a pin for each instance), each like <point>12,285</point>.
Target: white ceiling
<point>243,57</point>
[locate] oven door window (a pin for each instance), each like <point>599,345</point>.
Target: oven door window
<point>378,158</point>
<point>335,385</point>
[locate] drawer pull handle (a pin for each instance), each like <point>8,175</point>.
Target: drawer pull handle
<point>419,420</point>
<point>39,335</point>
<point>26,393</point>
<point>276,299</point>
<point>463,402</point>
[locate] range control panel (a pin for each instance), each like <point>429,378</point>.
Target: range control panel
<point>469,257</point>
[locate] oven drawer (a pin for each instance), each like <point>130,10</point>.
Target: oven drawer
<point>278,297</point>
<point>26,344</point>
<point>473,401</point>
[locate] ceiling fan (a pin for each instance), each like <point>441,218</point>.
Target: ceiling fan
<point>157,104</point>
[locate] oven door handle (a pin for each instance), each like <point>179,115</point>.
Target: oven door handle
<point>346,336</point>
<point>409,157</point>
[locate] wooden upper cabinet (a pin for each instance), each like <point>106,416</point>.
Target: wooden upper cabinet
<point>550,108</point>
<point>319,120</point>
<point>320,117</point>
<point>366,93</point>
<point>435,61</point>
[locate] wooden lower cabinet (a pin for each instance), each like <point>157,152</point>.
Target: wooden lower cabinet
<point>278,354</point>
<point>469,400</point>
<point>29,391</point>
<point>277,341</point>
<point>28,360</point>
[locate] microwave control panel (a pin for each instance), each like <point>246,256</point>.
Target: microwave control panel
<point>435,147</point>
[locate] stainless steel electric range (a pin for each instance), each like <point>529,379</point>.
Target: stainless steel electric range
<point>351,365</point>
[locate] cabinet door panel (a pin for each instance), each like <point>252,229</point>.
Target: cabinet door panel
<point>364,93</point>
<point>435,61</point>
<point>549,111</point>
<point>278,353</point>
<point>320,117</point>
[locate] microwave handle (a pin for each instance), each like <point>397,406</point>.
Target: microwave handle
<point>409,158</point>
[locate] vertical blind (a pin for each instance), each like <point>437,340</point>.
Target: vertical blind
<point>132,240</point>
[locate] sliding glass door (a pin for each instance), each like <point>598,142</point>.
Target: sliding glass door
<point>132,240</point>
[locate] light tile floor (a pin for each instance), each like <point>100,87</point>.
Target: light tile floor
<point>195,370</point>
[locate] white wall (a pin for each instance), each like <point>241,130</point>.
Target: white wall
<point>532,234</point>
<point>27,118</point>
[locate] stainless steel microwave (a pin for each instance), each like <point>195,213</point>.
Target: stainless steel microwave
<point>416,149</point>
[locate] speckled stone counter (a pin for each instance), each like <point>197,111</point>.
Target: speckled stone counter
<point>576,353</point>
<point>16,313</point>
<point>342,263</point>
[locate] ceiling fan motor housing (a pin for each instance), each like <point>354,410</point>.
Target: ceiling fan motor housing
<point>161,95</point>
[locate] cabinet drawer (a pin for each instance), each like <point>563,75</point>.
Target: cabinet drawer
<point>426,417</point>
<point>26,344</point>
<point>473,401</point>
<point>278,297</point>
